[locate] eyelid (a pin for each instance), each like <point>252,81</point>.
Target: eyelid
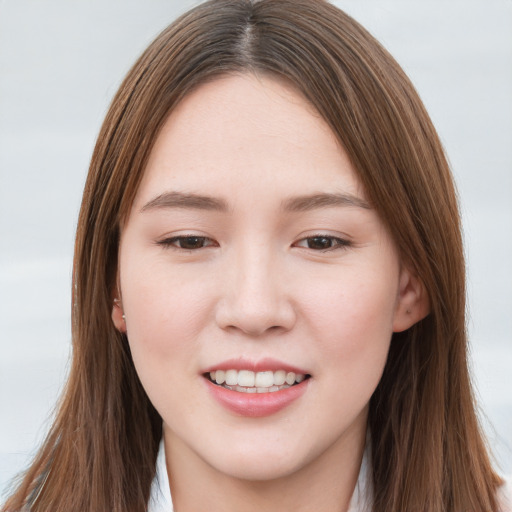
<point>170,242</point>
<point>341,242</point>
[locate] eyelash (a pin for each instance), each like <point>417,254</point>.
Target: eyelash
<point>176,241</point>
<point>336,242</point>
<point>173,242</point>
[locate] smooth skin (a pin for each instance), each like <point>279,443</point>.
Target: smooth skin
<point>226,254</point>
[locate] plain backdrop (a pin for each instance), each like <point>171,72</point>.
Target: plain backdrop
<point>60,64</point>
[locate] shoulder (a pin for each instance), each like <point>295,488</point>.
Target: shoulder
<point>505,495</point>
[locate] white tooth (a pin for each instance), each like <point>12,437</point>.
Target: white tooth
<point>246,378</point>
<point>299,377</point>
<point>232,377</point>
<point>273,388</point>
<point>212,375</point>
<point>261,390</point>
<point>241,389</point>
<point>265,379</point>
<point>251,390</point>
<point>228,387</point>
<point>220,376</point>
<point>279,377</point>
<point>290,378</point>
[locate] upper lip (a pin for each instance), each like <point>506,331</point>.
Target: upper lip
<point>261,365</point>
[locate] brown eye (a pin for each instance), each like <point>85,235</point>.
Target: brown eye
<point>187,243</point>
<point>323,243</point>
<point>191,242</point>
<point>320,243</point>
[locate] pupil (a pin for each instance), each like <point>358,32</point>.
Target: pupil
<point>319,242</point>
<point>191,242</point>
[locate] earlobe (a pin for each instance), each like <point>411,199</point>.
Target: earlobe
<point>118,316</point>
<point>412,303</point>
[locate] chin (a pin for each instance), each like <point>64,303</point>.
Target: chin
<point>269,458</point>
<point>258,468</point>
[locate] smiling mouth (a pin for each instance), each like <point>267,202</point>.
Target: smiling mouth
<point>247,381</point>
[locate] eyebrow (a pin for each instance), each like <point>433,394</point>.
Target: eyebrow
<point>293,204</point>
<point>181,200</point>
<point>323,200</point>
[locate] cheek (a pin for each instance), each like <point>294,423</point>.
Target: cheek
<point>162,302</point>
<point>165,312</point>
<point>162,331</point>
<point>353,323</point>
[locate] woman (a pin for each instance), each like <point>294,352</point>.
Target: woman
<point>268,285</point>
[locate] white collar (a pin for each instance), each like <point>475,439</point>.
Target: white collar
<point>160,499</point>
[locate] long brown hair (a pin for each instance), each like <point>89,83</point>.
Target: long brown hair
<point>428,453</point>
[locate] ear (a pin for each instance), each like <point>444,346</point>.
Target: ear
<point>118,316</point>
<point>412,302</point>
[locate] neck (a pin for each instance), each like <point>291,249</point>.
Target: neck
<point>324,484</point>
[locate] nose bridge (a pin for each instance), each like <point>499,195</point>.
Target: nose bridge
<point>255,299</point>
<point>255,275</point>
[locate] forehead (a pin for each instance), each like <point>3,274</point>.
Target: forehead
<point>243,128</point>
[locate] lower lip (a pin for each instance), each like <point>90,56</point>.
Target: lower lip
<point>256,405</point>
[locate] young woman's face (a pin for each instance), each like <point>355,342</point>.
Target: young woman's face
<point>251,256</point>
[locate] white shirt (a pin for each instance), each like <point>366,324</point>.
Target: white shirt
<point>505,496</point>
<point>161,501</point>
<point>160,498</point>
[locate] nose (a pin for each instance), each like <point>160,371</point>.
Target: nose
<point>254,298</point>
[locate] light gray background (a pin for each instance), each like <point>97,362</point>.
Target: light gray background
<point>60,64</point>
